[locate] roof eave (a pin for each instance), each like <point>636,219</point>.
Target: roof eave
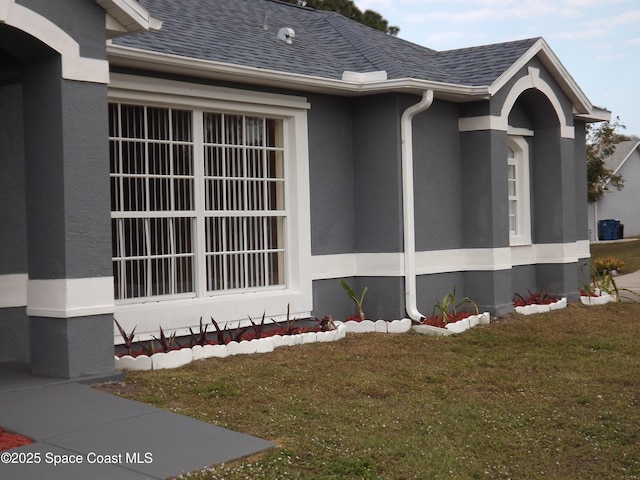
<point>597,114</point>
<point>127,16</point>
<point>161,62</point>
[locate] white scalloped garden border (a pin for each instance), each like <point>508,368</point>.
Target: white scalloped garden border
<point>455,327</point>
<point>601,299</point>
<point>379,326</point>
<point>531,309</point>
<point>184,356</point>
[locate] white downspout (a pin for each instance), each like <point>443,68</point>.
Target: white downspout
<point>408,204</point>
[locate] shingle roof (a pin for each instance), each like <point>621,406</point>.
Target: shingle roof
<point>244,32</point>
<point>620,154</point>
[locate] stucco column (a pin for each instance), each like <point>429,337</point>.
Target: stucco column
<point>485,214</point>
<point>70,288</point>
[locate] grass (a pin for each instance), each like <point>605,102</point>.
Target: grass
<point>554,396</point>
<point>629,252</point>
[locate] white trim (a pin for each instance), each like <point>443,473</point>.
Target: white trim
<point>325,267</point>
<point>127,16</point>
<point>13,290</point>
<point>546,253</point>
<point>231,310</point>
<point>521,161</point>
<point>125,88</point>
<point>484,122</point>
<point>162,62</point>
<point>519,131</point>
<point>70,297</point>
<point>74,67</point>
<point>493,122</point>
<point>179,314</point>
<point>542,50</point>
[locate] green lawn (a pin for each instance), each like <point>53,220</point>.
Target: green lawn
<point>628,252</point>
<point>553,396</point>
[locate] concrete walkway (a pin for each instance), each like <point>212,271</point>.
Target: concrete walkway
<point>107,436</point>
<point>629,281</point>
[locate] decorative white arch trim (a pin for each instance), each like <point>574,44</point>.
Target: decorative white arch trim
<point>532,80</point>
<point>74,67</point>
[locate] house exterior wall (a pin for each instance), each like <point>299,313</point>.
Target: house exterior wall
<point>621,204</point>
<point>14,342</point>
<point>460,175</point>
<point>57,261</point>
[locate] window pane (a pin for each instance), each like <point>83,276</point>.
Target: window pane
<point>513,219</point>
<point>151,171</point>
<point>153,175</point>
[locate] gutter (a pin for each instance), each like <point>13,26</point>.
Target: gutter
<point>130,57</point>
<point>408,204</point>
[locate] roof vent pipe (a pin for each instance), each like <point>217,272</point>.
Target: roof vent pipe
<point>408,204</point>
<point>286,34</point>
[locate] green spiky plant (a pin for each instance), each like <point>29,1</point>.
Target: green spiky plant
<point>354,296</point>
<point>449,303</point>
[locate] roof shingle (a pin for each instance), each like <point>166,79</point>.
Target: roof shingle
<point>244,32</point>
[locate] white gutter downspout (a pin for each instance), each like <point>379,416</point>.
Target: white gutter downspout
<point>408,204</point>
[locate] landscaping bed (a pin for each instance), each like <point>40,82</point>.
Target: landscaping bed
<point>521,398</point>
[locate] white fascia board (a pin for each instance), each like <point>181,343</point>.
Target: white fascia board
<point>139,58</point>
<point>597,114</point>
<point>130,14</point>
<point>557,70</point>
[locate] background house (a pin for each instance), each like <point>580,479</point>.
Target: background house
<point>248,154</point>
<point>620,204</point>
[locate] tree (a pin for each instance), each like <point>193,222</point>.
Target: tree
<point>350,10</point>
<point>601,143</point>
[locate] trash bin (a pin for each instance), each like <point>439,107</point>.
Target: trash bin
<point>608,229</point>
<point>621,231</point>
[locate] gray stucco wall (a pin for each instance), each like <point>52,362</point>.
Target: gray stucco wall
<point>437,178</point>
<point>55,154</point>
<point>484,189</point>
<point>13,237</point>
<point>83,21</point>
<point>580,155</point>
<point>331,175</point>
<point>377,170</point>
<point>67,175</point>
<point>72,347</point>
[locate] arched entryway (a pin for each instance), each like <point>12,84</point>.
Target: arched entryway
<point>56,295</point>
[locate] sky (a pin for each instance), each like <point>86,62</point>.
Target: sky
<point>597,41</point>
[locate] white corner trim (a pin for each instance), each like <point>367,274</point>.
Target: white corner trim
<point>74,67</point>
<point>485,122</point>
<point>357,264</point>
<point>70,297</point>
<point>13,290</point>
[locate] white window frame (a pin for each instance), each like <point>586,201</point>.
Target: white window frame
<point>520,147</point>
<point>181,313</point>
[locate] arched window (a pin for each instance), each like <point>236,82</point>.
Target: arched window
<point>519,197</point>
